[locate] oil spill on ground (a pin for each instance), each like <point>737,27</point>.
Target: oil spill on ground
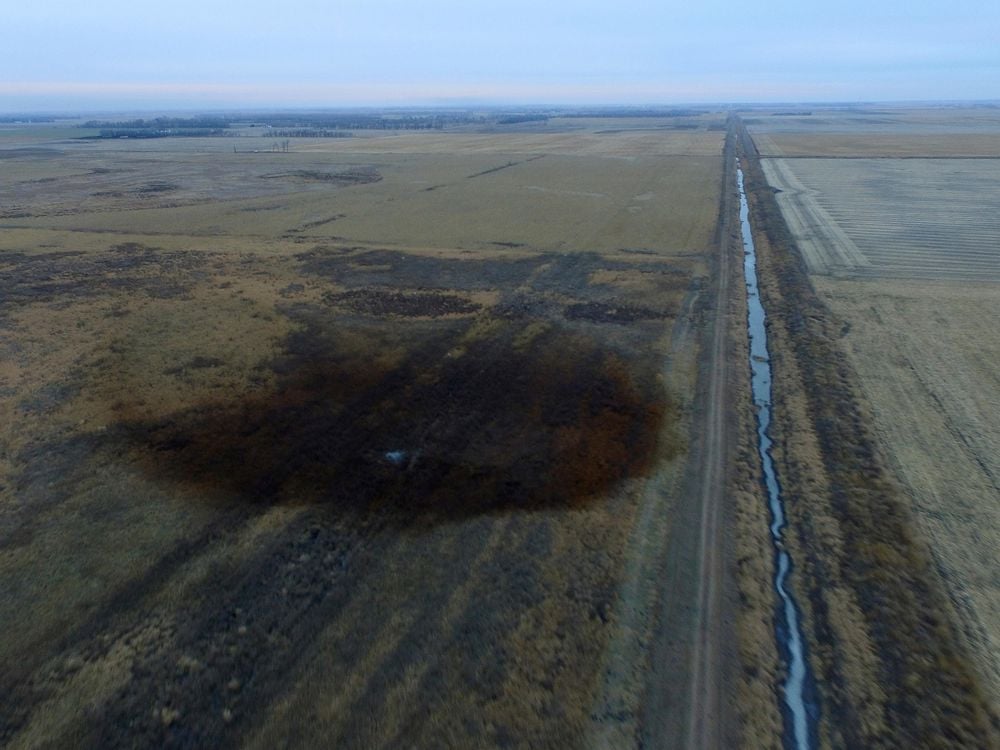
<point>411,305</point>
<point>397,403</point>
<point>453,428</point>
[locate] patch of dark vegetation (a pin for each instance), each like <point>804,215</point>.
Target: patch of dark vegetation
<point>523,305</point>
<point>637,251</point>
<point>408,305</point>
<point>195,363</point>
<point>352,176</point>
<point>291,290</point>
<point>389,268</point>
<point>28,152</point>
<point>508,165</point>
<point>320,222</point>
<point>60,277</point>
<point>620,313</point>
<point>49,398</point>
<point>257,209</point>
<point>534,276</point>
<point>143,191</point>
<point>508,244</point>
<point>932,696</point>
<point>294,233</point>
<point>153,188</point>
<point>431,438</point>
<point>491,170</point>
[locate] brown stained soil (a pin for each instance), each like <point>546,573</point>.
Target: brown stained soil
<point>433,436</point>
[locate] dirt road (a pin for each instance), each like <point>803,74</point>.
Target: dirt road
<point>683,704</point>
<point>704,713</point>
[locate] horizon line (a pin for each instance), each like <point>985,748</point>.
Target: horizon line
<point>52,97</point>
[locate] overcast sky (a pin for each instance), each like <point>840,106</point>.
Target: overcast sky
<point>63,54</point>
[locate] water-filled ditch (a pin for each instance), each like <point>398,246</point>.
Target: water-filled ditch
<point>799,708</point>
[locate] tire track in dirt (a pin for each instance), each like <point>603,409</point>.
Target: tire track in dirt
<point>39,675</point>
<point>704,719</point>
<point>682,704</point>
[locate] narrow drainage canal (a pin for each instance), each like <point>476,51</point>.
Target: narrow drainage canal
<point>799,711</point>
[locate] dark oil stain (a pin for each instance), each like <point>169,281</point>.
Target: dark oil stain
<point>413,304</point>
<point>195,363</point>
<point>451,429</point>
<point>358,268</point>
<point>615,312</point>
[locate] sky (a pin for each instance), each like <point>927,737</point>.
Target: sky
<point>63,55</point>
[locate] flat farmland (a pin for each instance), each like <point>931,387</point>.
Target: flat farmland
<point>927,355</point>
<point>463,197</point>
<point>905,253</point>
<point>897,218</point>
<point>373,441</point>
<point>890,132</point>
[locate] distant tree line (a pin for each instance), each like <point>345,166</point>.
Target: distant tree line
<point>515,119</point>
<point>162,123</point>
<point>627,112</point>
<point>28,119</point>
<point>338,121</point>
<point>151,133</point>
<point>160,127</point>
<point>309,133</point>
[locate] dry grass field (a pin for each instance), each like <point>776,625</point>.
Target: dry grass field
<point>927,353</point>
<point>905,253</point>
<point>372,441</point>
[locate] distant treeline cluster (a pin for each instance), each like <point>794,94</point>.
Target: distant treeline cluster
<point>515,119</point>
<point>339,124</point>
<point>160,127</point>
<point>308,133</point>
<point>628,112</point>
<point>335,121</point>
<point>283,125</point>
<point>27,119</point>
